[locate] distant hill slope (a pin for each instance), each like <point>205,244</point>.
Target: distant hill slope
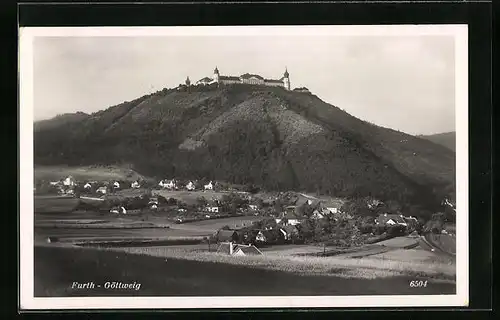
<point>447,139</point>
<point>59,120</point>
<point>278,139</point>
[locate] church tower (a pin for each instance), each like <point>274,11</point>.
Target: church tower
<point>286,79</point>
<point>216,75</point>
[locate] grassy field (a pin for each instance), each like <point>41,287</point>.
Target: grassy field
<point>190,197</point>
<point>399,242</point>
<point>44,204</point>
<point>411,255</point>
<point>443,242</point>
<point>98,173</point>
<point>216,224</point>
<point>57,268</point>
<point>98,232</point>
<point>325,266</point>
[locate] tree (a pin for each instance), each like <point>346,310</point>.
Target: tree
<point>305,210</point>
<point>162,200</point>
<point>201,201</point>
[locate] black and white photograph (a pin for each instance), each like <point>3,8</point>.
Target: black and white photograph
<point>244,166</point>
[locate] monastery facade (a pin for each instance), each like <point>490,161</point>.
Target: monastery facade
<point>246,78</point>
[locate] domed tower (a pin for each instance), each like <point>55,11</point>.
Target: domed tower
<point>216,75</point>
<point>286,79</point>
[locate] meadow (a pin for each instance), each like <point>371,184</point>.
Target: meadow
<point>54,204</point>
<point>55,269</point>
<point>190,197</point>
<point>82,173</point>
<point>352,268</point>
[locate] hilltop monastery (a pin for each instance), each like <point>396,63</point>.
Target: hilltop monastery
<point>245,78</point>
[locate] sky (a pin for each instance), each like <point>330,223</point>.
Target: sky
<point>400,82</point>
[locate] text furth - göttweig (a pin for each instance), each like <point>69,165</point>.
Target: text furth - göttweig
<point>112,285</point>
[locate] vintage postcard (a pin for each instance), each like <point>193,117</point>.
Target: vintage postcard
<point>243,167</point>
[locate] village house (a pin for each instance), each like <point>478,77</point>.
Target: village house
<point>118,210</point>
<point>209,186</point>
<point>87,186</point>
<point>153,203</point>
<point>116,185</point>
<point>135,185</point>
<point>290,232</point>
<point>190,186</point>
<point>252,207</point>
<point>290,216</point>
<point>232,249</point>
<point>391,219</point>
<point>102,190</point>
<point>212,209</point>
<point>167,184</point>
<point>269,236</point>
<point>247,78</point>
<point>55,183</point>
<point>69,182</point>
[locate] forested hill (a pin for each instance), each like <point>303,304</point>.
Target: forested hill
<point>446,139</point>
<point>59,120</point>
<point>280,140</point>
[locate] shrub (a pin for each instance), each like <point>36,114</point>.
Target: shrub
<point>367,228</point>
<point>396,230</point>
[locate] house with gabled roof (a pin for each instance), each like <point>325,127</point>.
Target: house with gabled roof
<point>233,249</point>
<point>391,219</point>
<point>190,186</point>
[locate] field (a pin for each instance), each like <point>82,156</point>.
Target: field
<point>443,242</point>
<point>54,204</point>
<point>57,268</point>
<point>190,197</point>
<point>98,173</point>
<point>215,224</point>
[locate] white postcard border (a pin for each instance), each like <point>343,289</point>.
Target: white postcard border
<point>27,299</point>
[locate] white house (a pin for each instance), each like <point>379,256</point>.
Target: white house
<point>87,186</point>
<point>253,206</point>
<point>102,190</point>
<point>190,186</point>
<point>167,184</point>
<point>135,185</point>
<point>69,181</point>
<point>209,186</point>
<point>213,209</point>
<point>317,215</point>
<point>118,210</point>
<point>332,209</point>
<point>116,185</point>
<point>242,250</point>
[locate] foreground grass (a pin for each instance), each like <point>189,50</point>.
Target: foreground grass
<point>56,268</point>
<point>349,268</point>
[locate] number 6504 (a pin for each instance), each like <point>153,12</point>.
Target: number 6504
<point>418,284</point>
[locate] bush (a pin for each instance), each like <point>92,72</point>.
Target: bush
<point>171,201</point>
<point>396,230</point>
<point>379,229</point>
<point>367,228</point>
